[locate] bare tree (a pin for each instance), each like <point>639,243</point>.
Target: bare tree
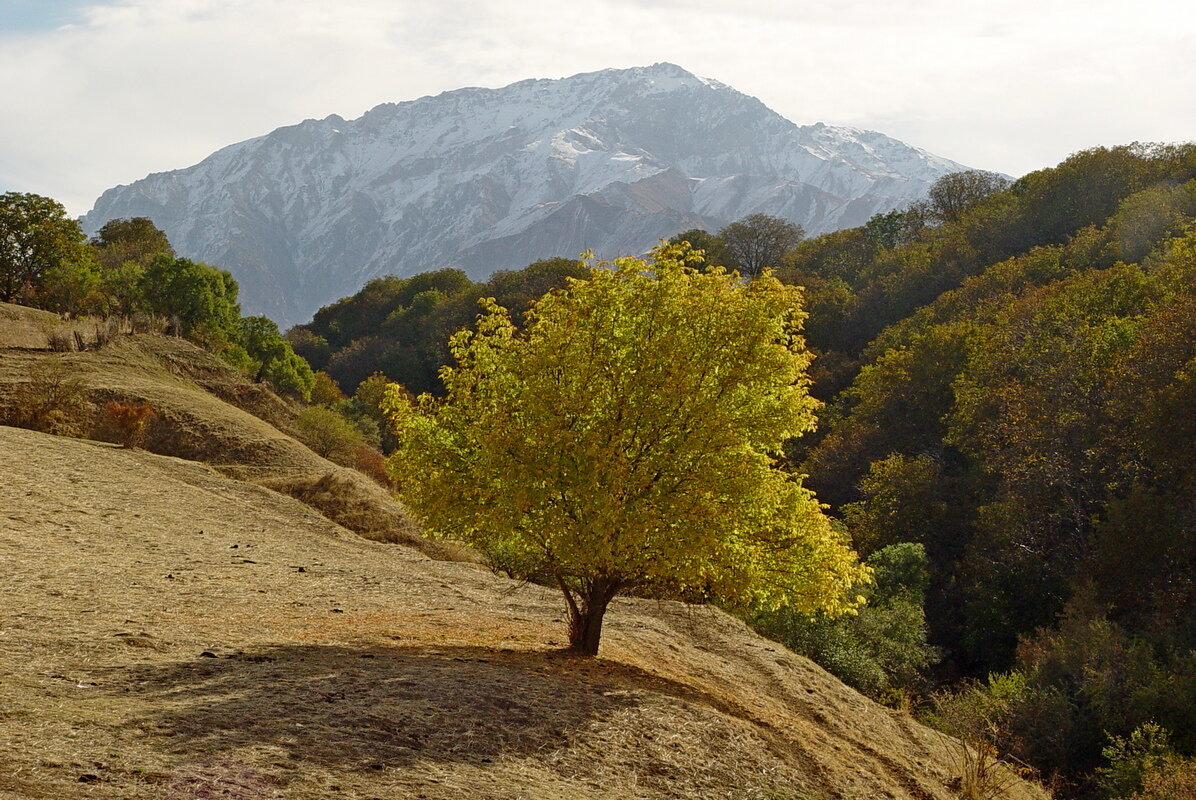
<point>956,192</point>
<point>759,241</point>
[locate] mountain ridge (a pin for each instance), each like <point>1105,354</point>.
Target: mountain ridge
<point>486,179</point>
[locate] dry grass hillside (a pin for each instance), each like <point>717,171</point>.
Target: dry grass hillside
<point>203,411</point>
<point>173,631</point>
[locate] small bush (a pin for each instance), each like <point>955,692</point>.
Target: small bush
<point>1130,759</point>
<point>142,322</point>
<point>128,421</point>
<point>1173,778</point>
<point>58,340</point>
<point>370,461</point>
<point>108,329</point>
<point>53,401</point>
<point>329,434</point>
<point>103,334</point>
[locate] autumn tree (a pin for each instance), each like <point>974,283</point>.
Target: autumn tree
<point>758,242</point>
<point>626,441</point>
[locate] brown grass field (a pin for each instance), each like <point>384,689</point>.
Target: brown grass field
<point>172,630</point>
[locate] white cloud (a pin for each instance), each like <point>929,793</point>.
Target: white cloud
<point>145,85</point>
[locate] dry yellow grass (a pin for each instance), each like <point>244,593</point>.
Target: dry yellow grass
<point>31,328</point>
<point>205,411</point>
<point>168,631</point>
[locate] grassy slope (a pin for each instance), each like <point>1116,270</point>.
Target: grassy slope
<point>373,672</point>
<point>206,412</point>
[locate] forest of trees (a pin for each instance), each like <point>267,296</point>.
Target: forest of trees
<point>1009,372</point>
<point>1008,438</point>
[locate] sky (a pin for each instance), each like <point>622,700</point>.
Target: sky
<point>100,93</point>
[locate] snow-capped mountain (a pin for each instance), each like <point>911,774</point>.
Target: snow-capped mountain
<point>489,179</point>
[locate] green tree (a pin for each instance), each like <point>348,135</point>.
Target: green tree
<point>273,360</point>
<point>758,242</point>
<point>314,349</point>
<point>37,238</point>
<point>714,249</point>
<point>881,648</point>
<point>329,433</point>
<point>263,342</point>
<point>135,240</point>
<point>627,441</point>
<point>202,297</point>
<point>70,286</point>
<point>124,248</point>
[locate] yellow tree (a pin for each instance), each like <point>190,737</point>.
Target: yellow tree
<point>627,442</point>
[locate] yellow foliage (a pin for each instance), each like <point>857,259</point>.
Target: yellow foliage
<point>630,435</point>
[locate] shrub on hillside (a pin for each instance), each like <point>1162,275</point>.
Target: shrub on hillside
<point>128,421</point>
<point>1173,778</point>
<point>1131,758</point>
<point>325,391</point>
<point>52,401</point>
<point>60,341</point>
<point>330,434</point>
<point>370,461</point>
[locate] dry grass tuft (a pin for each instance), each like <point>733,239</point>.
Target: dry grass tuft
<point>60,341</point>
<point>981,774</point>
<point>347,503</point>
<point>220,778</point>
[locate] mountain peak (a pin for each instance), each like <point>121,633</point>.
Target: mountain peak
<point>486,179</point>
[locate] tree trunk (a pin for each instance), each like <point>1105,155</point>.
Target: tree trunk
<point>587,606</point>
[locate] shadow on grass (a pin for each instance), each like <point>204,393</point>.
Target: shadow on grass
<point>382,708</point>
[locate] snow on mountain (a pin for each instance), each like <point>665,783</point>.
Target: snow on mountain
<point>488,179</point>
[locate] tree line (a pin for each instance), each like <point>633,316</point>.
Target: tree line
<point>130,268</point>
<point>1009,376</point>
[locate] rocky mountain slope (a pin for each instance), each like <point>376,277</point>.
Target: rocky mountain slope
<point>487,179</point>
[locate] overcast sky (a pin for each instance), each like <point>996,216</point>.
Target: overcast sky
<point>96,94</point>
